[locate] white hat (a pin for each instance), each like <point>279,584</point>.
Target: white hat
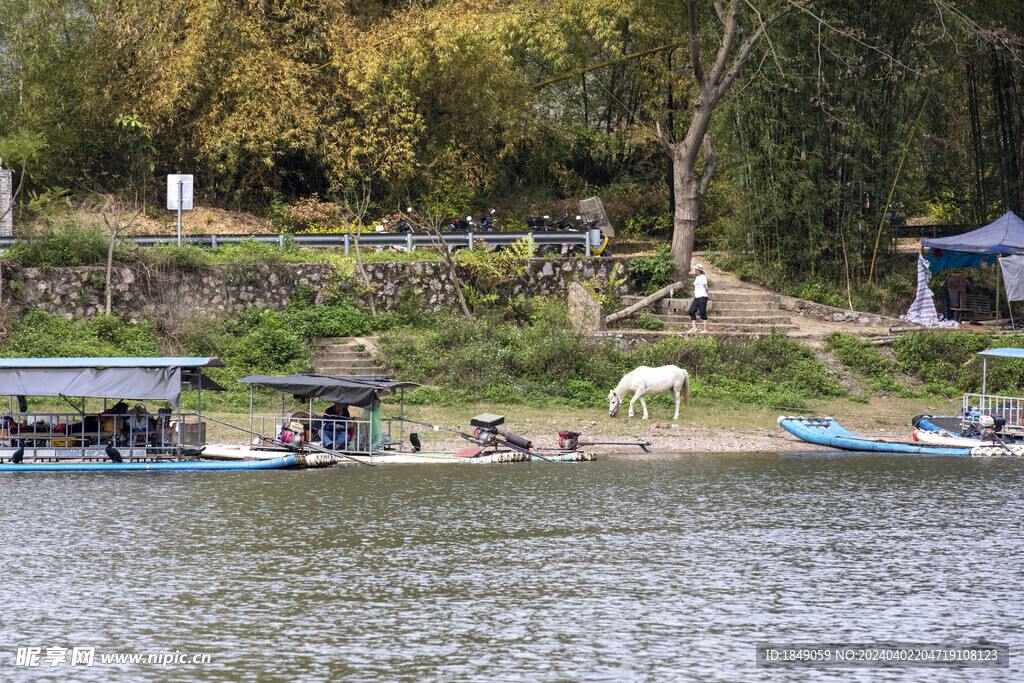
<point>699,267</point>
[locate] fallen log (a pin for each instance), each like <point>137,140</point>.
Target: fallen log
<point>646,301</point>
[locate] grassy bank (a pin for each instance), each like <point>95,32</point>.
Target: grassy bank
<point>525,357</point>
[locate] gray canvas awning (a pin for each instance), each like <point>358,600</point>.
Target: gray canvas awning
<point>354,391</point>
<point>127,378</point>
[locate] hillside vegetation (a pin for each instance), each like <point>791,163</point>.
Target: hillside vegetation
<point>314,114</point>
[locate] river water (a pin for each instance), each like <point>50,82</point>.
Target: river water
<point>651,568</point>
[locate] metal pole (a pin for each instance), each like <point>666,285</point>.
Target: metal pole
<point>346,242</point>
<point>181,195</point>
<point>998,267</point>
<point>199,425</point>
<point>408,242</point>
<point>469,240</point>
<point>250,407</point>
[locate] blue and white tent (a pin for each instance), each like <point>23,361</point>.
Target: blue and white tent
<point>1004,235</point>
<point>922,311</point>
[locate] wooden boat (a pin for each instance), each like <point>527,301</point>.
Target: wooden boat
<point>116,439</point>
<point>824,431</point>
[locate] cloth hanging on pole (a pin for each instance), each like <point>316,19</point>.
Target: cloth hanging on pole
<point>1013,277</point>
<point>922,311</point>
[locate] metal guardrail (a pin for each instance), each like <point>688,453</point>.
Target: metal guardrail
<point>1010,408</point>
<point>400,241</point>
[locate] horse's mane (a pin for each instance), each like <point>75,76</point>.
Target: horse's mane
<point>625,384</point>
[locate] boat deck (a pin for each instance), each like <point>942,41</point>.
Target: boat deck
<point>396,457</point>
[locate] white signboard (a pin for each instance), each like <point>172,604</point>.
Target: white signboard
<point>179,186</point>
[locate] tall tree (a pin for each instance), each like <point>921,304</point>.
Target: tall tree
<point>734,47</point>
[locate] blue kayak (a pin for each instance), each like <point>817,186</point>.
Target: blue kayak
<point>824,431</point>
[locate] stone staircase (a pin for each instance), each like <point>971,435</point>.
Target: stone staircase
<point>347,357</point>
<point>730,311</point>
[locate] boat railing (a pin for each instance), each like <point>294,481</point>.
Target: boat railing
<point>1010,408</point>
<point>58,435</point>
<point>349,435</point>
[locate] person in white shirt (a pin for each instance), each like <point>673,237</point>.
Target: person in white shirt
<point>700,300</point>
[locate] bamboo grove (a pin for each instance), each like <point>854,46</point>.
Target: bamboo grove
<point>273,100</point>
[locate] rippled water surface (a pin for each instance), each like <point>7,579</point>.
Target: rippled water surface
<point>646,568</point>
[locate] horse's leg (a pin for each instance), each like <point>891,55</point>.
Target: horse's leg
<point>636,395</point>
<point>644,404</point>
<point>675,393</point>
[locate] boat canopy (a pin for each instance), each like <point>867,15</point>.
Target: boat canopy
<point>129,378</point>
<point>360,392</point>
<point>1003,353</point>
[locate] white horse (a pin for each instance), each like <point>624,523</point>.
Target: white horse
<point>645,380</point>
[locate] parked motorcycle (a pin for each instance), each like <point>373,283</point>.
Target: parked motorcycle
<point>539,224</point>
<point>563,224</point>
<point>484,225</point>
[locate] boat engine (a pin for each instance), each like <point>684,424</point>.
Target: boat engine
<point>485,437</point>
<point>486,432</point>
<point>569,440</point>
<point>989,426</point>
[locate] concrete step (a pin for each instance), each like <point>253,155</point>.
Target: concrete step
<point>724,307</point>
<point>341,356</point>
<point>347,357</point>
<point>735,295</point>
<point>752,328</point>
<point>353,372</point>
<point>728,319</point>
<point>359,363</point>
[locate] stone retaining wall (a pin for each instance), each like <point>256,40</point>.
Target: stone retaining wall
<point>172,293</point>
<point>834,315</point>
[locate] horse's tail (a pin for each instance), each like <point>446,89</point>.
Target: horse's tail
<point>686,388</point>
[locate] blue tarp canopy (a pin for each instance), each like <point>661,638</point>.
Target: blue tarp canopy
<point>1003,353</point>
<point>1004,235</point>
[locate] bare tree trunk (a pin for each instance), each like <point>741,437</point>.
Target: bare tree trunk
<point>357,208</point>
<point>452,273</point>
<point>367,285</point>
<point>431,222</point>
<point>112,210</point>
<point>110,268</point>
<point>734,49</point>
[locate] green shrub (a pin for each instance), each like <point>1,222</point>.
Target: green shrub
<point>651,273</point>
<point>41,335</point>
<point>946,361</point>
<point>867,360</point>
<point>647,321</point>
<point>269,345</point>
<point>67,242</point>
